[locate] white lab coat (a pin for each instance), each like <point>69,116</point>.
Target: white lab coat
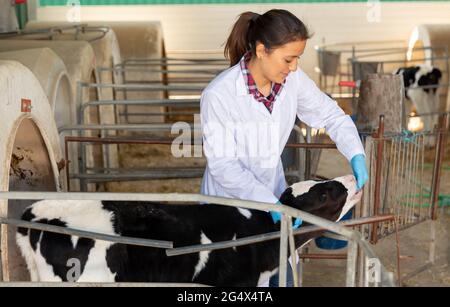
<point>226,107</point>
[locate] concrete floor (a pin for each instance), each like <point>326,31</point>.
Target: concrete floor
<point>414,249</point>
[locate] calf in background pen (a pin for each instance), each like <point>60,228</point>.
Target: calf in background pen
<point>424,100</point>
<point>47,254</point>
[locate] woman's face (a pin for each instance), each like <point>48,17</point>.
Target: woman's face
<point>278,63</point>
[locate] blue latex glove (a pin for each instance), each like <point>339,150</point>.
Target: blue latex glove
<point>358,163</point>
<point>276,217</point>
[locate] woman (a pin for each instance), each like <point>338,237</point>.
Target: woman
<point>249,110</point>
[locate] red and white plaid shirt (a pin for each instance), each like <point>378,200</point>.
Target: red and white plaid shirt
<point>251,85</point>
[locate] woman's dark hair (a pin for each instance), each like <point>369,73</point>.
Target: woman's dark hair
<point>273,29</point>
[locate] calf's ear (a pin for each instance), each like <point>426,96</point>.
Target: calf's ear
<point>437,72</point>
<point>287,198</point>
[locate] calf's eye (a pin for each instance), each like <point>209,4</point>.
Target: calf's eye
<point>323,198</point>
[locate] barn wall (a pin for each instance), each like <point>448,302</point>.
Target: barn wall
<point>205,27</point>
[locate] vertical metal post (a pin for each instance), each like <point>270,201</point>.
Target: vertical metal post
<point>105,148</point>
<point>300,155</point>
<point>361,267</point>
<point>164,68</point>
<point>293,254</point>
<point>66,155</point>
<point>1,262</point>
<point>397,245</point>
<point>378,170</point>
<point>365,210</point>
<point>352,250</point>
<point>165,76</point>
<point>283,250</point>
<point>81,147</point>
<point>432,251</point>
<point>125,92</point>
<point>308,154</point>
<point>300,269</point>
<point>437,165</point>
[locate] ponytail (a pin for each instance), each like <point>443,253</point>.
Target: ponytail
<point>273,29</point>
<point>237,43</point>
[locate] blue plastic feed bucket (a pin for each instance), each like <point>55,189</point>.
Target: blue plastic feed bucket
<point>324,242</point>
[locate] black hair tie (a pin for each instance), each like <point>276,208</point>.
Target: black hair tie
<point>255,17</point>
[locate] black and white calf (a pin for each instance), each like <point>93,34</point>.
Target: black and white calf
<point>425,100</point>
<point>47,254</point>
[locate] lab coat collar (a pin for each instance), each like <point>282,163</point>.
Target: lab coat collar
<point>241,88</point>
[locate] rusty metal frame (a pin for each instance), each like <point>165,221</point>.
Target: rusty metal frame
<point>121,140</point>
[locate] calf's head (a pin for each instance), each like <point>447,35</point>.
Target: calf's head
<point>330,199</point>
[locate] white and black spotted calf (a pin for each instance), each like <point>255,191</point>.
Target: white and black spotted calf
<point>421,84</point>
<point>47,254</point>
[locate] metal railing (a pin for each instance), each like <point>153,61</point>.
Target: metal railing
<point>163,71</point>
<point>397,184</point>
<point>51,32</point>
<point>396,166</point>
<point>168,76</point>
<point>286,232</point>
<point>396,187</point>
<point>104,174</point>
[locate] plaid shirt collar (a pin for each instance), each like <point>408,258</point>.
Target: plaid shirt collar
<point>252,88</point>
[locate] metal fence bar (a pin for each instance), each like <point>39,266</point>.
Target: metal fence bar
<point>157,102</point>
<point>181,197</point>
<point>378,174</point>
<point>293,254</point>
<point>125,170</point>
<point>182,173</point>
<point>352,251</point>
<point>282,271</point>
<point>394,49</point>
<point>210,72</point>
<point>54,31</point>
<point>440,144</point>
<point>268,236</point>
<point>138,127</point>
<point>151,173</point>
<point>87,234</point>
<point>157,114</point>
<point>164,59</point>
<point>398,61</point>
<point>175,63</point>
<point>138,86</point>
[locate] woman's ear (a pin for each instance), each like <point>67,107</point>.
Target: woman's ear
<point>260,50</point>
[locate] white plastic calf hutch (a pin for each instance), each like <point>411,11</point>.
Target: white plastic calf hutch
<point>30,153</point>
